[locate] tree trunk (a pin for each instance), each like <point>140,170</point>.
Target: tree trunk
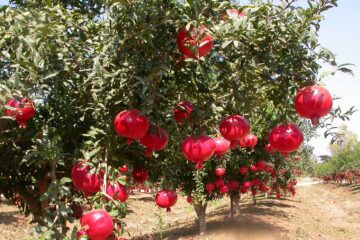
<point>43,187</point>
<point>234,204</point>
<point>254,199</point>
<point>200,210</point>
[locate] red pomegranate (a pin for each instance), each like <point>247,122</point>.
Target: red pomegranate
<point>221,146</point>
<point>253,168</point>
<point>124,168</point>
<point>261,165</point>
<point>244,190</point>
<point>22,111</point>
<point>224,189</point>
<point>256,182</point>
<point>269,149</point>
<point>286,138</point>
<point>220,171</point>
<point>243,170</point>
<point>313,102</point>
<point>131,125</point>
<point>233,184</point>
<point>250,141</point>
<point>83,180</point>
<point>234,128</point>
<point>186,39</point>
<point>246,184</point>
<point>140,175</point>
<point>210,187</point>
<point>219,182</point>
<point>166,198</point>
<point>198,149</point>
<point>263,188</point>
<point>182,111</point>
<point>81,233</point>
<point>98,224</point>
<point>253,192</point>
<point>189,199</point>
<point>155,139</point>
<point>117,191</point>
<point>278,195</point>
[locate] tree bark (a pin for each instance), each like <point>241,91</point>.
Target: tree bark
<point>234,204</point>
<point>200,210</point>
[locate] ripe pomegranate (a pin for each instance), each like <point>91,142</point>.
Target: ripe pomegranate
<point>263,188</point>
<point>219,182</point>
<point>313,102</point>
<point>243,170</point>
<point>234,128</point>
<point>117,191</point>
<point>155,139</point>
<point>261,165</point>
<point>246,184</point>
<point>98,224</point>
<point>253,192</point>
<point>83,180</point>
<point>182,111</point>
<point>249,141</point>
<point>233,184</point>
<point>210,187</point>
<point>131,125</point>
<point>140,175</point>
<point>80,233</point>
<point>269,149</point>
<point>189,199</point>
<point>255,182</point>
<point>198,149</point>
<point>220,171</point>
<point>278,195</point>
<point>221,146</point>
<point>186,39</point>
<point>224,189</point>
<point>166,198</point>
<point>244,190</point>
<point>23,111</point>
<point>286,138</point>
<point>124,168</point>
<point>253,168</point>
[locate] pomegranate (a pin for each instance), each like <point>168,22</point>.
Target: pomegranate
<point>256,182</point>
<point>246,184</point>
<point>253,168</point>
<point>140,175</point>
<point>221,146</point>
<point>83,180</point>
<point>286,138</point>
<point>234,128</point>
<point>220,171</point>
<point>166,198</point>
<point>313,102</point>
<point>210,187</point>
<point>233,184</point>
<point>263,188</point>
<point>261,165</point>
<point>253,192</point>
<point>98,224</point>
<point>81,234</point>
<point>182,111</point>
<point>186,39</point>
<point>243,170</point>
<point>278,195</point>
<point>198,149</point>
<point>244,190</point>
<point>23,111</point>
<point>219,182</point>
<point>250,141</point>
<point>131,125</point>
<point>269,149</point>
<point>189,199</point>
<point>124,168</point>
<point>155,139</point>
<point>117,191</point>
<point>224,189</point>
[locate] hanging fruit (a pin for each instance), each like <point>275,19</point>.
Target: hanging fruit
<point>286,138</point>
<point>22,111</point>
<point>140,175</point>
<point>131,125</point>
<point>191,46</point>
<point>234,128</point>
<point>182,111</point>
<point>117,191</point>
<point>220,171</point>
<point>210,187</point>
<point>221,146</point>
<point>249,141</point>
<point>313,102</point>
<point>83,180</point>
<point>166,198</point>
<point>98,224</point>
<point>269,149</point>
<point>155,139</point>
<point>198,149</point>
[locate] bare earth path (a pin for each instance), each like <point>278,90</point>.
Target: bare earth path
<point>318,212</point>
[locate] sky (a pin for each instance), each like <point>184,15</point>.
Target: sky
<point>339,32</point>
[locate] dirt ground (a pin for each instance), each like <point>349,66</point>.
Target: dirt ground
<point>318,212</point>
